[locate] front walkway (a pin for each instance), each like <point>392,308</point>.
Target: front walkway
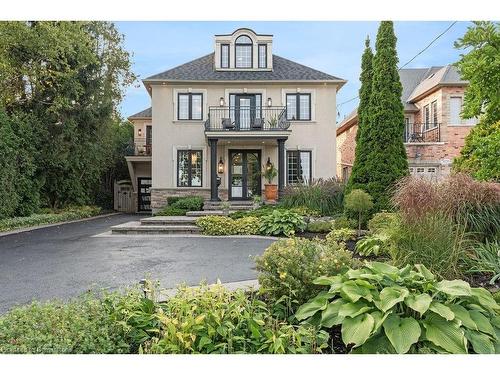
<point>66,260</point>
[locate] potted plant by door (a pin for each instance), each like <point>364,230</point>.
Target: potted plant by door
<point>270,189</point>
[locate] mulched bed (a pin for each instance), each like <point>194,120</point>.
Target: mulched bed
<point>483,280</point>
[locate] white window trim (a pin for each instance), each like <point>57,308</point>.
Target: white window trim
<point>203,149</point>
<point>192,90</point>
<point>312,92</point>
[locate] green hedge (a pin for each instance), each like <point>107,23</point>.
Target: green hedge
<point>72,213</point>
<point>179,206</point>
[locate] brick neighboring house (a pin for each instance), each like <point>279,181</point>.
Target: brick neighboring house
<point>434,131</point>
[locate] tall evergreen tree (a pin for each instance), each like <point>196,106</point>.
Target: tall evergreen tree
<point>387,161</point>
<point>359,175</point>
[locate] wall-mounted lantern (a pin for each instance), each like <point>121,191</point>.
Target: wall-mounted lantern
<point>269,165</point>
<point>220,167</point>
<point>139,132</point>
<point>269,102</point>
<point>221,101</point>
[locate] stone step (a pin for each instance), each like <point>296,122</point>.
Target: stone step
<point>135,227</point>
<point>195,214</point>
<point>168,220</point>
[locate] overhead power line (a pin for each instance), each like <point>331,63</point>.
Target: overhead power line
<point>413,58</point>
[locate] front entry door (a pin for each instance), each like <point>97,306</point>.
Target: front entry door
<point>244,174</point>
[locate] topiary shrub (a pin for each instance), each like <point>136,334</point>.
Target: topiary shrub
<point>358,202</point>
<point>383,309</point>
<point>282,222</point>
<point>288,267</point>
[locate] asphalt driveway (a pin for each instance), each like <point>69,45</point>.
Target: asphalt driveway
<point>67,260</point>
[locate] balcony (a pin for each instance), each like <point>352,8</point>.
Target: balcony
<point>422,133</point>
<point>139,149</point>
<point>246,119</point>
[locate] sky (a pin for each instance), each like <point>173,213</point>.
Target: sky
<point>332,47</point>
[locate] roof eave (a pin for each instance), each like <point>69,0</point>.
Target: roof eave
<point>412,98</point>
<point>146,81</point>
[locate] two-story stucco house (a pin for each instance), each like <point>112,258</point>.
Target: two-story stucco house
<point>434,131</point>
<point>217,120</point>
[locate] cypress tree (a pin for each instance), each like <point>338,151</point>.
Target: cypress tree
<point>359,176</point>
<point>387,161</point>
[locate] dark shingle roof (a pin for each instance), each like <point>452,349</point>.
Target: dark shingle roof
<point>146,113</point>
<point>202,69</point>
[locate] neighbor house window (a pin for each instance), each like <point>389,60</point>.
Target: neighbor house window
<point>189,168</point>
<point>243,52</point>
<point>224,56</point>
<point>262,55</point>
<point>455,109</point>
<point>299,167</point>
<point>427,116</point>
<point>190,107</point>
<point>434,110</point>
<point>298,107</point>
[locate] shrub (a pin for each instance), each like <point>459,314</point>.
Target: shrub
<point>434,241</point>
<point>383,309</point>
<point>281,222</point>
<point>343,222</point>
<point>486,259</point>
<point>305,211</point>
<point>319,226</point>
<point>259,212</point>
<point>225,226</point>
<point>50,217</point>
<point>288,267</point>
<point>382,222</point>
<point>324,196</point>
<point>341,235</point>
<point>83,325</point>
<point>212,319</point>
<point>216,225</point>
<point>171,211</point>
<point>358,202</point>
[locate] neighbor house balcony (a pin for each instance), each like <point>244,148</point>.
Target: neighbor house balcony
<point>246,120</point>
<point>139,149</point>
<point>422,133</point>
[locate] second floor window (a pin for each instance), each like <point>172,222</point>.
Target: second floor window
<point>224,56</point>
<point>434,110</point>
<point>190,106</point>
<point>427,116</point>
<point>243,52</point>
<point>262,56</point>
<point>455,109</point>
<point>298,107</point>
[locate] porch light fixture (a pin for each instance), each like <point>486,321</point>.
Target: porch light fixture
<point>221,101</point>
<point>269,165</point>
<point>269,102</point>
<point>220,167</point>
<point>139,132</point>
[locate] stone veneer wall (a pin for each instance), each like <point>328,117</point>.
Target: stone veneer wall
<point>159,196</point>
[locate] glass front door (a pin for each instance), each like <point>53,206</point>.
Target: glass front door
<point>244,174</point>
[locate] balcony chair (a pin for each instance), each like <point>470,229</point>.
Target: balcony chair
<point>227,124</point>
<point>258,123</point>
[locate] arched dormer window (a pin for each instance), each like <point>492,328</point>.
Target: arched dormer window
<point>243,52</point>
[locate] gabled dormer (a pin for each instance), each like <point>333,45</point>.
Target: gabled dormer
<point>244,50</point>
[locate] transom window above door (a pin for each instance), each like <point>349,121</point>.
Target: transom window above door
<point>243,52</point>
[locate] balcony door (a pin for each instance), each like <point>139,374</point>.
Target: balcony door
<point>244,174</point>
<point>245,108</point>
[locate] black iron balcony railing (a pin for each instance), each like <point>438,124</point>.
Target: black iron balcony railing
<point>139,149</point>
<point>248,118</point>
<point>422,132</point>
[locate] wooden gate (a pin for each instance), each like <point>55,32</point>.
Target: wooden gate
<point>124,201</point>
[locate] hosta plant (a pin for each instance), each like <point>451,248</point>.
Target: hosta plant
<point>375,244</point>
<point>282,222</point>
<point>384,309</point>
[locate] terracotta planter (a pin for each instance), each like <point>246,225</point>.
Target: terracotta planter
<point>271,192</point>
